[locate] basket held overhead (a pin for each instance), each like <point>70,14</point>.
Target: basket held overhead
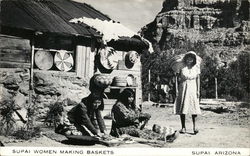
<point>177,63</point>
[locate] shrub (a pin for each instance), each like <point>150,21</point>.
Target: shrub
<point>54,114</point>
<point>234,80</point>
<point>7,122</point>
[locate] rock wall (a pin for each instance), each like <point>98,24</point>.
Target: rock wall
<point>216,22</point>
<point>225,10</point>
<point>49,88</point>
<point>202,14</point>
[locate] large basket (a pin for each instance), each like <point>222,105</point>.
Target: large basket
<point>103,80</point>
<point>120,81</point>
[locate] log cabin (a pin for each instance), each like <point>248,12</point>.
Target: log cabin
<point>46,58</point>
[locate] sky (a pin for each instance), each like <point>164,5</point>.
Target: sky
<point>133,14</point>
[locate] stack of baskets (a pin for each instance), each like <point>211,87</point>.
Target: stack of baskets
<point>120,81</point>
<point>104,80</point>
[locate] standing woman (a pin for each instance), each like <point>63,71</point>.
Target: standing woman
<point>188,90</point>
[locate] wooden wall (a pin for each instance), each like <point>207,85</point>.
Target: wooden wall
<point>14,52</point>
<point>84,61</point>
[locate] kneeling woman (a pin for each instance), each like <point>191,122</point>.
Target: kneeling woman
<point>127,118</point>
<point>81,119</point>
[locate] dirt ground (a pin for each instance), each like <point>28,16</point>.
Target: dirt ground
<point>222,130</point>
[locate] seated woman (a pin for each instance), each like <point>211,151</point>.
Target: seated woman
<point>127,118</point>
<point>81,119</point>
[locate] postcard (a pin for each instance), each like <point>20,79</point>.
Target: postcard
<point>135,77</point>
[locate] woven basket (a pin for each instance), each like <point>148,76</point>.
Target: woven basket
<point>103,80</point>
<point>120,81</point>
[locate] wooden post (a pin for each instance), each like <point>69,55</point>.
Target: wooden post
<point>216,88</point>
<point>31,87</point>
<point>149,77</point>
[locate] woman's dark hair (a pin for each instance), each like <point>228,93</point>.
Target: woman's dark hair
<point>193,56</point>
<point>91,99</point>
<point>125,94</point>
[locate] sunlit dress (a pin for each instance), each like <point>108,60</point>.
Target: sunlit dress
<point>187,101</point>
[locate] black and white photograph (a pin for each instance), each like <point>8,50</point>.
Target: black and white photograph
<point>116,77</point>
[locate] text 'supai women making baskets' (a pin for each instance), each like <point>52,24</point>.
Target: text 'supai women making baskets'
<point>187,69</point>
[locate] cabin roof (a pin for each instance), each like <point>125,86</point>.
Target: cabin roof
<point>49,16</point>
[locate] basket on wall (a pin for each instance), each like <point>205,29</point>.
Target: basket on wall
<point>131,80</point>
<point>120,81</point>
<point>43,59</point>
<point>63,60</point>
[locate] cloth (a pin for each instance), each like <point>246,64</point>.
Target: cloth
<point>126,121</point>
<point>82,119</point>
<point>187,101</point>
<point>144,133</point>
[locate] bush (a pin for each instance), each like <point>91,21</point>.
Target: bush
<point>54,114</point>
<point>233,82</point>
<point>7,122</point>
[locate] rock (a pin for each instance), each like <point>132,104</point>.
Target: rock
<point>202,14</point>
<point>3,75</point>
<point>5,95</point>
<point>24,88</point>
<point>51,90</point>
<point>21,116</point>
<point>78,81</point>
<point>25,76</point>
<point>11,82</point>
<point>75,95</point>
<point>216,108</point>
<point>20,100</point>
<point>42,78</point>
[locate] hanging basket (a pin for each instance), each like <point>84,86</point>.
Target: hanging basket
<point>108,58</point>
<point>131,58</point>
<point>63,60</point>
<point>43,59</point>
